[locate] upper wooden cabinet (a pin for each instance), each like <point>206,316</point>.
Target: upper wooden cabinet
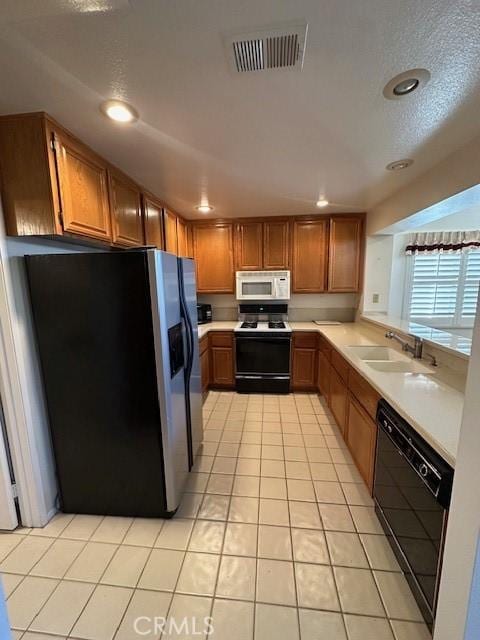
<point>126,205</point>
<point>249,246</point>
<point>83,188</point>
<point>213,253</point>
<point>345,253</point>
<point>309,264</point>
<point>152,211</point>
<point>182,238</point>
<point>276,246</point>
<point>262,245</point>
<point>52,184</point>
<point>170,230</point>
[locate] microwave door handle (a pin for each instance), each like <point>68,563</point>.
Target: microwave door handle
<point>274,288</point>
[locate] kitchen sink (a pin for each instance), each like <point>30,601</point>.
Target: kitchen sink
<point>376,353</point>
<point>398,366</point>
<point>388,360</point>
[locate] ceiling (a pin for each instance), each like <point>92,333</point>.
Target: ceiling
<point>264,143</point>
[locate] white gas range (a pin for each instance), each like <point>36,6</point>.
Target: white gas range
<point>262,348</point>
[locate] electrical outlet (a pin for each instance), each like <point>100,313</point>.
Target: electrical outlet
<point>375,297</point>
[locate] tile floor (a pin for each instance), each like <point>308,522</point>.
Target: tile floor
<point>276,537</point>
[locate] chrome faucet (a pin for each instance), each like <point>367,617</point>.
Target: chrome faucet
<point>417,348</point>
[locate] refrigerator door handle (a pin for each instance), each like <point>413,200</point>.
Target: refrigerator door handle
<point>189,360</point>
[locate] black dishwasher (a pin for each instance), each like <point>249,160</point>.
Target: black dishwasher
<point>412,489</point>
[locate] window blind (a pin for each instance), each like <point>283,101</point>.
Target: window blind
<point>444,288</point>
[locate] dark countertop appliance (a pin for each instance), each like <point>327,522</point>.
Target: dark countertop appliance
<point>204,313</point>
<point>412,490</point>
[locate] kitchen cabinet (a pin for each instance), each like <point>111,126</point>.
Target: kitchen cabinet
<point>345,254</point>
<point>213,253</point>
<point>83,189</point>
<point>304,361</point>
<point>182,238</point>
<point>323,375</point>
<point>309,256</point>
<point>222,371</point>
<point>262,245</point>
<point>170,231</point>
<point>249,246</point>
<point>204,362</point>
<point>361,437</point>
<point>52,184</point>
<point>338,399</point>
<point>126,207</point>
<point>276,250</point>
<point>153,222</point>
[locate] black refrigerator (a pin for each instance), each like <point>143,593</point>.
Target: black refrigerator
<point>117,340</point>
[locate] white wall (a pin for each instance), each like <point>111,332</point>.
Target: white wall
<point>378,267</point>
<point>458,172</point>
<point>459,582</point>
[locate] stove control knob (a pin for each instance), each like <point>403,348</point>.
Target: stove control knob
<point>423,470</point>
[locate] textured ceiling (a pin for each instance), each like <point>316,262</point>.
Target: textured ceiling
<point>267,143</point>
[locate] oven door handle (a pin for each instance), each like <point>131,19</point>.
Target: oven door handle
<point>264,338</point>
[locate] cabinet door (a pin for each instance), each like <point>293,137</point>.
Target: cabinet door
<point>309,256</point>
<point>345,248</point>
<point>222,366</point>
<point>153,223</point>
<point>182,240</point>
<point>338,399</point>
<point>249,246</point>
<point>83,185</point>
<point>304,368</point>
<point>126,206</point>
<point>170,231</point>
<point>361,440</point>
<point>323,378</point>
<point>213,253</point>
<point>276,248</point>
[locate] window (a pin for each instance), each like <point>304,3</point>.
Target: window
<point>443,289</point>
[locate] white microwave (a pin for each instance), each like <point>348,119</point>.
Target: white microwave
<point>263,285</point>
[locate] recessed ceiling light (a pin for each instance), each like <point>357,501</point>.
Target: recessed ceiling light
<point>204,208</point>
<point>405,83</point>
<point>119,111</point>
<point>398,165</point>
<point>323,202</point>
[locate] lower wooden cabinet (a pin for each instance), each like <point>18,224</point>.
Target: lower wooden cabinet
<point>304,361</point>
<point>361,438</point>
<point>338,399</point>
<point>323,375</point>
<point>222,369</point>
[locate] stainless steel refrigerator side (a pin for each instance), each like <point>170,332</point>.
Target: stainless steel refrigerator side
<point>195,386</point>
<point>164,293</point>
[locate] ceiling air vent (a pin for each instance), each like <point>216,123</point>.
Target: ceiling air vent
<point>281,47</point>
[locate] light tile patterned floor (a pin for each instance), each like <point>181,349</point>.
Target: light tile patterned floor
<point>276,537</point>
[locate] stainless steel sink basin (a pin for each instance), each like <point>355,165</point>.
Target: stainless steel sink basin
<point>398,366</point>
<point>375,353</point>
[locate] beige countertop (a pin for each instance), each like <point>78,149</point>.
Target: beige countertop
<point>430,403</point>
<point>222,325</point>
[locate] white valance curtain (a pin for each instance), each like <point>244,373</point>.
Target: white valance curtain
<point>443,242</point>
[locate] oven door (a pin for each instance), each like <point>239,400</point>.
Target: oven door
<point>412,518</point>
<point>263,355</point>
<point>255,288</point>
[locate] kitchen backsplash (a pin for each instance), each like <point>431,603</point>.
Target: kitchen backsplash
<point>301,307</point>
